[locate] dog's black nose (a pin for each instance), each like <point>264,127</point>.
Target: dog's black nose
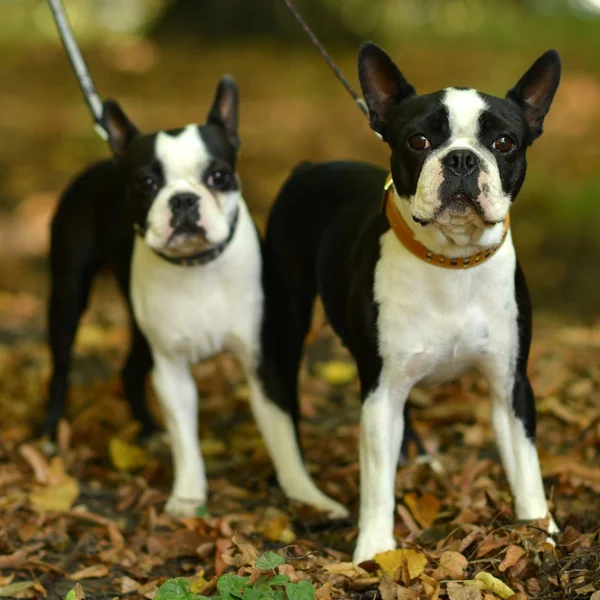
<point>183,202</point>
<point>461,162</point>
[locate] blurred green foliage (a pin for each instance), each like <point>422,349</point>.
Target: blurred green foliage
<point>162,59</point>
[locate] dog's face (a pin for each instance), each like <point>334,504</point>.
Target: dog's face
<point>458,155</point>
<point>182,186</point>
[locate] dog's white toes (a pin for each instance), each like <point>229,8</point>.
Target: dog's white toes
<point>434,463</point>
<point>552,526</point>
<point>183,507</point>
<point>369,544</point>
<point>320,501</point>
<point>336,511</point>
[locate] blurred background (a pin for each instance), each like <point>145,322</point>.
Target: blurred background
<point>162,58</point>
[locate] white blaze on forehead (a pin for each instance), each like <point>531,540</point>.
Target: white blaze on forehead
<point>464,110</point>
<point>182,156</point>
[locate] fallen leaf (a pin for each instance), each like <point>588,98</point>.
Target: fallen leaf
<point>347,569</point>
<point>490,544</point>
<point>58,497</point>
<point>431,586</point>
<point>36,461</point>
<point>91,572</point>
<point>452,566</point>
<point>76,593</point>
<point>392,560</point>
<point>126,457</point>
<point>336,372</point>
<point>11,589</point>
<point>513,554</point>
<point>460,592</point>
<point>486,581</point>
<point>423,509</point>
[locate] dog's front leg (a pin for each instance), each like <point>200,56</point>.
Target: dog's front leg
<point>381,431</point>
<point>513,421</point>
<point>178,395</point>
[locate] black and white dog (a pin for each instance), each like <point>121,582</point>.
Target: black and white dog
<point>191,274</point>
<point>429,291</point>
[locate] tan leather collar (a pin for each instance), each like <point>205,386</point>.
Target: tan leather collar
<point>407,238</point>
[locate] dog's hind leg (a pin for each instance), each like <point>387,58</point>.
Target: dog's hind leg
<point>274,383</point>
<point>135,372</point>
<point>72,269</point>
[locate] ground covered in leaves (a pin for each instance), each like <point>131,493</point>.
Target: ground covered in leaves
<point>92,512</point>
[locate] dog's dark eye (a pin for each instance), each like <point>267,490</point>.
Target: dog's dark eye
<point>147,185</point>
<point>218,179</point>
<point>503,144</point>
<point>418,142</point>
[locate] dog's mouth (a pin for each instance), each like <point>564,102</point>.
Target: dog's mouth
<point>458,209</point>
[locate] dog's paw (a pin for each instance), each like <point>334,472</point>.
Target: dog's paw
<point>435,465</point>
<point>552,526</point>
<point>183,507</point>
<point>371,543</point>
<point>335,510</point>
<point>312,496</point>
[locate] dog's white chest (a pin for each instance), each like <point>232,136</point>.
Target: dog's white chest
<point>435,323</point>
<point>195,312</point>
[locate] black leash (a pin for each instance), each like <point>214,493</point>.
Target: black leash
<point>86,83</point>
<point>317,44</point>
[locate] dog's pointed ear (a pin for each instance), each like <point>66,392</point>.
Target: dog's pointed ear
<point>224,110</point>
<point>535,91</point>
<point>121,131</point>
<point>382,83</point>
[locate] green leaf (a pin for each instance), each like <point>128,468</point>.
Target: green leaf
<point>303,590</point>
<point>230,585</point>
<point>202,511</point>
<point>279,580</point>
<point>269,560</point>
<point>175,589</point>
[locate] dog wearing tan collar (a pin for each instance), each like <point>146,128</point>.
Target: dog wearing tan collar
<point>426,288</point>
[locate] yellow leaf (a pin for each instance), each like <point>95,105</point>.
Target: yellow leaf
<point>126,457</point>
<point>392,560</point>
<point>277,529</point>
<point>212,447</point>
<point>198,583</point>
<point>423,509</point>
<point>60,497</point>
<point>486,581</point>
<point>336,372</point>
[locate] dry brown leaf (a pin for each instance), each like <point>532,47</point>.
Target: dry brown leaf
<point>388,588</point>
<point>347,569</point>
<point>452,566</point>
<point>513,554</point>
<point>431,586</point>
<point>126,457</point>
<point>36,461</point>
<point>129,585</point>
<point>392,560</point>
<point>423,509</point>
<point>91,572</point>
<point>490,544</point>
<point>460,592</point>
